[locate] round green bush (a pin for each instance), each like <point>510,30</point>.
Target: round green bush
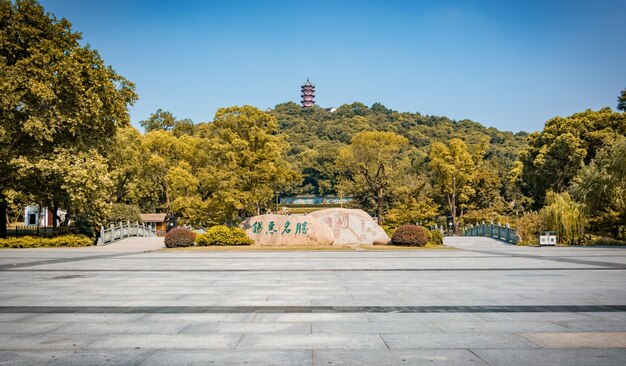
<point>436,237</point>
<point>179,237</point>
<point>223,235</point>
<point>410,235</point>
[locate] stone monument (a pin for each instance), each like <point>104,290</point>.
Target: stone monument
<point>284,230</point>
<point>351,226</point>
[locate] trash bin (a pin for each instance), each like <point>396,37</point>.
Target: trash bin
<point>547,238</point>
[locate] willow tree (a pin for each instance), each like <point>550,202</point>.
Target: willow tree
<point>565,216</point>
<point>377,162</point>
<point>56,94</point>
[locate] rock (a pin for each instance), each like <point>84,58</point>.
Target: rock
<point>287,230</point>
<point>351,226</point>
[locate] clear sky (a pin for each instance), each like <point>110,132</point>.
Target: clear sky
<point>507,64</point>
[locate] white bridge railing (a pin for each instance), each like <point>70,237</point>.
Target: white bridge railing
<point>120,231</point>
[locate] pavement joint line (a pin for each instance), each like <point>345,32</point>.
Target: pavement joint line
<point>310,309</point>
<point>383,339</point>
<point>553,259</point>
<point>300,270</point>
<point>480,358</point>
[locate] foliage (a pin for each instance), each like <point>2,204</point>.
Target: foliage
<point>436,237</point>
<point>56,242</point>
<point>566,217</point>
<point>121,213</point>
<point>621,101</point>
<point>74,180</point>
<point>452,168</point>
<point>601,186</point>
<point>58,98</point>
<point>223,235</point>
<point>607,241</point>
<point>376,162</point>
<point>556,154</point>
<point>411,235</point>
<point>529,226</point>
<point>165,121</point>
<point>179,237</point>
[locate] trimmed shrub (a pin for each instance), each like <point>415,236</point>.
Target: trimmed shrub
<point>57,242</point>
<point>223,235</point>
<point>411,235</point>
<point>436,237</point>
<point>179,237</point>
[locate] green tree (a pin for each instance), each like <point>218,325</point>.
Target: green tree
<point>159,120</point>
<point>621,101</point>
<point>248,151</point>
<point>565,216</point>
<point>556,154</point>
<point>452,172</point>
<point>376,162</point>
<point>601,185</point>
<point>56,94</point>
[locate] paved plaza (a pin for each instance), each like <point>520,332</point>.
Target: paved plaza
<point>486,303</point>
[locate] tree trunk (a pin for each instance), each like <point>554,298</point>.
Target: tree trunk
<point>3,217</point>
<point>453,205</point>
<point>167,201</point>
<point>55,215</point>
<point>379,203</point>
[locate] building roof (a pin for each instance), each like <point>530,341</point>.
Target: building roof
<point>153,217</point>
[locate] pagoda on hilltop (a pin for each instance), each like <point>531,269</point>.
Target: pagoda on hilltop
<point>308,94</point>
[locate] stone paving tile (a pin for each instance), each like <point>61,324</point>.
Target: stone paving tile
<point>374,327</point>
<point>500,327</point>
<point>533,317</point>
<point>167,341</point>
<point>553,357</point>
<point>190,318</point>
<point>418,317</point>
<point>73,358</point>
<point>14,317</point>
<point>310,317</point>
<point>447,357</point>
<point>236,357</point>
<point>118,328</point>
<point>83,318</point>
<point>577,340</point>
<point>44,341</point>
<point>597,326</point>
<point>456,340</point>
<point>311,341</point>
<point>232,327</point>
<point>16,328</point>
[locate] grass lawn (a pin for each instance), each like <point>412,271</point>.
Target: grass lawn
<point>244,248</point>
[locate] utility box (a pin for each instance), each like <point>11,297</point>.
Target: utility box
<point>547,238</point>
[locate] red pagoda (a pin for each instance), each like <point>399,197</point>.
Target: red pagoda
<point>308,94</point>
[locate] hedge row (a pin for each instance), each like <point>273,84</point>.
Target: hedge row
<point>57,242</point>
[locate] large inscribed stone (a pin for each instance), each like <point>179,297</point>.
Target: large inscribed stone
<point>351,226</point>
<point>285,230</point>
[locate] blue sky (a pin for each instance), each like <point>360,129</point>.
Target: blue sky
<point>510,65</point>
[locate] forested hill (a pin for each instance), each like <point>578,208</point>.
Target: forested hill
<point>316,135</point>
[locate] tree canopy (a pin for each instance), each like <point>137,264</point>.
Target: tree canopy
<point>59,99</point>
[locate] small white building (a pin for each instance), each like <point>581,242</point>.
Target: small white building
<point>34,216</point>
